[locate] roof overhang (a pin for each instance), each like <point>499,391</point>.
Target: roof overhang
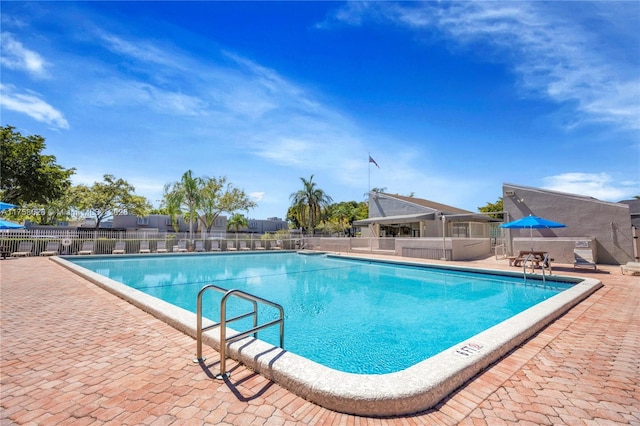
<point>410,218</point>
<point>470,217</point>
<point>405,218</point>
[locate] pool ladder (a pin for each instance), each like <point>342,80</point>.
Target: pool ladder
<point>224,321</point>
<point>545,264</point>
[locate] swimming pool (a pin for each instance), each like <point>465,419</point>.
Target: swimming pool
<point>340,312</point>
<point>415,388</point>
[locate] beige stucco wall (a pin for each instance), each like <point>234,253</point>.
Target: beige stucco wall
<point>560,249</point>
<point>608,224</point>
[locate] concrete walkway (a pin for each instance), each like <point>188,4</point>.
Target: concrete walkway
<point>73,354</point>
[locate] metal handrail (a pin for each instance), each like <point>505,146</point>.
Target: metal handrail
<point>224,321</point>
<point>524,266</point>
<point>545,262</point>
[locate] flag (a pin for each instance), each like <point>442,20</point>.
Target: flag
<point>371,160</point>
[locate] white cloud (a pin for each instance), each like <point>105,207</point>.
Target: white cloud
<point>256,196</point>
<point>141,50</point>
<point>17,57</point>
<point>33,105</point>
<point>598,185</point>
<point>120,92</point>
<point>555,53</point>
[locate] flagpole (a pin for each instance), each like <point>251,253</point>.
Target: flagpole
<point>369,164</point>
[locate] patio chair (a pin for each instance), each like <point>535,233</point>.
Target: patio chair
<point>215,245</point>
<point>144,247</point>
<point>24,249</point>
<point>199,245</point>
<point>258,246</point>
<point>633,267</point>
<point>52,249</point>
<point>243,246</point>
<point>162,247</point>
<point>584,259</point>
<point>182,247</point>
<point>120,248</point>
<point>230,246</point>
<point>87,248</point>
<point>275,245</point>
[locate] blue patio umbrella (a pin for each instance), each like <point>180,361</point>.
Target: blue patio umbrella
<point>5,224</point>
<point>6,206</point>
<point>532,222</point>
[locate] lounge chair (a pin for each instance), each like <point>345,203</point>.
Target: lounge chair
<point>181,247</point>
<point>258,246</point>
<point>584,259</point>
<point>87,248</point>
<point>162,247</point>
<point>24,249</point>
<point>215,245</point>
<point>633,267</point>
<point>144,247</point>
<point>120,248</point>
<point>230,246</point>
<point>199,245</point>
<point>52,249</point>
<point>275,245</point>
<point>243,246</point>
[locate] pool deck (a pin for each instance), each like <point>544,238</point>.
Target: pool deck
<point>72,353</point>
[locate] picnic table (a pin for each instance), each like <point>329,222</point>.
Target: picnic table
<point>535,257</point>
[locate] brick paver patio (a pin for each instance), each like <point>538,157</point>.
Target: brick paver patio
<point>73,354</point>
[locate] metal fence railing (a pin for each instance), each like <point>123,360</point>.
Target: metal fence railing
<point>104,242</point>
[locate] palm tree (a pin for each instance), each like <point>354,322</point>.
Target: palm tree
<point>342,212</point>
<point>309,202</point>
<point>184,193</point>
<point>376,190</point>
<point>237,221</point>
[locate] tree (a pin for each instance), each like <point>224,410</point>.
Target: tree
<point>340,216</point>
<point>341,212</point>
<point>27,176</point>
<point>203,199</point>
<point>186,193</point>
<point>362,211</point>
<point>217,196</point>
<point>493,207</point>
<point>237,221</point>
<point>309,202</point>
<point>109,198</point>
<point>294,216</point>
<point>50,213</point>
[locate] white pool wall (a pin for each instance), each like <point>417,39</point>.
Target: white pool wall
<point>412,390</point>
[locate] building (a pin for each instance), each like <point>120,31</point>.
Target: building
<point>423,228</point>
<point>266,226</point>
<point>163,223</point>
<point>603,226</point>
<point>634,210</point>
<point>160,223</point>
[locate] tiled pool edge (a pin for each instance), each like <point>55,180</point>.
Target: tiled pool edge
<point>416,389</point>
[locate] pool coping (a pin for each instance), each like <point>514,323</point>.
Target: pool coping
<point>412,390</point>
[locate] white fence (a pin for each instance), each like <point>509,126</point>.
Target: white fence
<point>104,241</point>
<point>71,241</point>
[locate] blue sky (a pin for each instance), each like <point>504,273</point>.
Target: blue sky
<point>451,99</point>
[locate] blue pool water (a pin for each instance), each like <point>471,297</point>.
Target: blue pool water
<point>351,315</point>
